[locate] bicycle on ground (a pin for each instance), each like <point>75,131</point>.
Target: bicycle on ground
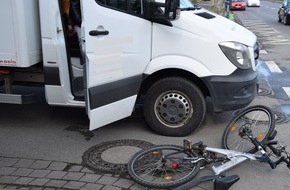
<point>249,136</point>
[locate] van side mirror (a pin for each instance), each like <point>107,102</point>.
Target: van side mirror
<point>172,10</point>
<point>162,12</point>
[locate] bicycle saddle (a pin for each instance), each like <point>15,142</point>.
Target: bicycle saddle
<point>224,183</point>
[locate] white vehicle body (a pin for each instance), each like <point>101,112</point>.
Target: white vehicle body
<point>253,3</point>
<point>125,53</point>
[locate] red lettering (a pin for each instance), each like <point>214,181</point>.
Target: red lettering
<point>8,61</point>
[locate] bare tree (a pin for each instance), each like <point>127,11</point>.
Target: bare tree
<point>218,6</point>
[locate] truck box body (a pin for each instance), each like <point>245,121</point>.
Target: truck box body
<point>20,33</point>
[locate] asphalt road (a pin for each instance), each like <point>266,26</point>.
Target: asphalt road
<point>39,131</point>
<point>275,41</point>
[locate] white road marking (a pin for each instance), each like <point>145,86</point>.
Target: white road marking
<point>276,42</point>
<point>287,91</point>
<point>273,67</point>
<point>262,51</point>
<point>265,33</point>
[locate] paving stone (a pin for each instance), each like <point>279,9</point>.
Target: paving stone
<point>23,180</point>
<point>24,163</point>
<point>106,180</point>
<point>124,183</point>
<point>73,176</point>
<point>56,174</point>
<point>138,187</point>
<point>39,173</point>
<point>75,168</point>
<point>8,162</point>
<point>92,186</point>
<point>2,186</point>
<point>40,164</point>
<point>90,178</point>
<point>8,179</point>
<point>39,181</point>
<point>56,183</point>
<point>7,170</point>
<point>57,166</point>
<point>86,170</point>
<point>111,188</point>
<point>24,188</point>
<point>36,188</point>
<point>10,187</point>
<point>22,172</point>
<point>74,185</point>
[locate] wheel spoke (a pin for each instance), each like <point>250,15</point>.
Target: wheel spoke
<point>256,121</point>
<point>165,169</point>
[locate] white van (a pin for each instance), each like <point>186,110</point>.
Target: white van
<point>172,54</point>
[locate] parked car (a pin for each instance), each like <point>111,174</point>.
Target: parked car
<point>238,5</point>
<point>284,12</point>
<point>253,3</point>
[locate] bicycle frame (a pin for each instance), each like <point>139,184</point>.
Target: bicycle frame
<point>234,157</point>
<point>166,162</point>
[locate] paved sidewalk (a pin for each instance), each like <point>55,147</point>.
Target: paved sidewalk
<point>30,174</point>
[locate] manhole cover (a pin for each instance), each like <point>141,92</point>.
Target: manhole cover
<point>113,156</point>
<point>263,91</point>
<point>280,118</point>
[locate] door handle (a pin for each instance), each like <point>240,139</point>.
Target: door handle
<point>97,33</point>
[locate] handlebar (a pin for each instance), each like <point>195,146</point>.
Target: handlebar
<point>273,165</point>
<point>276,151</point>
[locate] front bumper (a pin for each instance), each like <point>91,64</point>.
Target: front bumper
<point>234,91</point>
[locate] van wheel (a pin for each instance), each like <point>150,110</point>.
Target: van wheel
<point>174,107</point>
<point>285,21</point>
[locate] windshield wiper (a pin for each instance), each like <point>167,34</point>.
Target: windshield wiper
<point>195,7</point>
<point>187,9</point>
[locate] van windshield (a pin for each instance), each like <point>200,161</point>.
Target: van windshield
<point>187,5</point>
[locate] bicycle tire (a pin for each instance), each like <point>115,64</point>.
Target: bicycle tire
<point>163,166</point>
<point>259,119</point>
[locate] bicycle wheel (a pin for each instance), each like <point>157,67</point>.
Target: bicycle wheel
<point>163,166</point>
<point>258,120</point>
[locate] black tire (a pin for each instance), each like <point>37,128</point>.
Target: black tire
<point>285,20</point>
<point>259,119</point>
<point>163,166</point>
<point>174,106</point>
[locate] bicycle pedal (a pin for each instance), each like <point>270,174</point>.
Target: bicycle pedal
<point>187,144</point>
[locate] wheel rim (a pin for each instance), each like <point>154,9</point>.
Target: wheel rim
<point>159,169</point>
<point>173,109</point>
<point>257,122</point>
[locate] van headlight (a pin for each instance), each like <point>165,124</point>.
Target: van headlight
<point>237,53</point>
